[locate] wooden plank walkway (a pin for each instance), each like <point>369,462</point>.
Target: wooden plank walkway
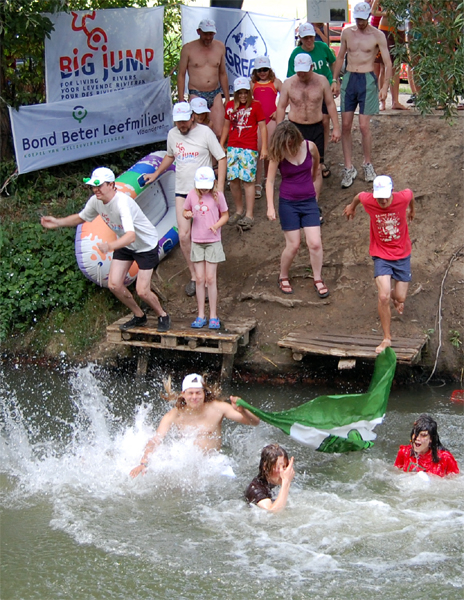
<point>301,342</point>
<point>182,337</point>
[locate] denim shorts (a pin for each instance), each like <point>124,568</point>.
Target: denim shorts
<point>399,270</point>
<point>295,214</point>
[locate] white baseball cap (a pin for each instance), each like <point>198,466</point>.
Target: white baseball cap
<point>303,62</point>
<point>204,178</point>
<point>207,26</point>
<point>306,29</point>
<point>241,83</point>
<point>99,176</point>
<point>362,10</point>
<point>199,106</point>
<point>194,381</point>
<point>181,111</point>
<point>383,186</point>
<point>262,62</point>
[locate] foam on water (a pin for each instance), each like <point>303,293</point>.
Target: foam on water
<point>352,520</point>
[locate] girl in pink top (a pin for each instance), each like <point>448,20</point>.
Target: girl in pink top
<point>209,212</point>
<point>266,88</point>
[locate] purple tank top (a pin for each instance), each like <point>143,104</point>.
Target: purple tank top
<point>297,182</point>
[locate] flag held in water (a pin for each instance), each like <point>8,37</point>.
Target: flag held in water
<point>338,423</point>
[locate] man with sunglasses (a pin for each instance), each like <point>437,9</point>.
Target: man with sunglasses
<point>137,240</point>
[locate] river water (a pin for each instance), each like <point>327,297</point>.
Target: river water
<point>74,525</point>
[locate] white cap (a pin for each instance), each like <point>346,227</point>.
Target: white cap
<point>207,26</point>
<point>194,381</point>
<point>199,106</point>
<point>181,111</point>
<point>303,62</point>
<point>362,10</point>
<point>383,186</point>
<point>262,62</point>
<point>241,83</point>
<point>306,29</point>
<point>99,176</point>
<point>204,178</point>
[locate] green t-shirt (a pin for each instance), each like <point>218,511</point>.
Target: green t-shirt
<point>322,57</point>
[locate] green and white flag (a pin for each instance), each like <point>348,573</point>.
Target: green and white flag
<point>339,423</point>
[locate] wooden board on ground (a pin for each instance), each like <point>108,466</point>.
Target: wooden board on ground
<point>301,342</point>
<point>182,337</point>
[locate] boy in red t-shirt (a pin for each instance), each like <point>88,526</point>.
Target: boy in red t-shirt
<point>390,245</point>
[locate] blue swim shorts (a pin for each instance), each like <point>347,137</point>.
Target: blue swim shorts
<point>241,164</point>
<point>362,89</point>
<point>399,270</point>
<point>295,214</point>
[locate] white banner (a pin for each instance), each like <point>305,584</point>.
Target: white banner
<point>245,35</point>
<point>95,52</point>
<point>52,134</point>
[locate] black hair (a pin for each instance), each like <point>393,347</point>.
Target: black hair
<point>426,423</point>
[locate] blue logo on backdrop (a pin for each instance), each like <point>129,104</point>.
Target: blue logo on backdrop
<point>243,44</point>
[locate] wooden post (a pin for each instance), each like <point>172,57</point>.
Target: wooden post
<point>227,366</point>
<point>142,361</point>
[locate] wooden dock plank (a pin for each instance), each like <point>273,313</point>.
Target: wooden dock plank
<point>408,350</point>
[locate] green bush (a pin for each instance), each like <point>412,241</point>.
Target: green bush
<point>38,273</point>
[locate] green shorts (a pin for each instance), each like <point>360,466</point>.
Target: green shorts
<point>359,89</point>
<point>211,252</point>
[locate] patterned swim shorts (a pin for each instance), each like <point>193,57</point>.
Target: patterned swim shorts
<point>241,164</point>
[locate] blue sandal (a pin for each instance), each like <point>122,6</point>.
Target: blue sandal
<point>198,323</point>
<point>214,324</point>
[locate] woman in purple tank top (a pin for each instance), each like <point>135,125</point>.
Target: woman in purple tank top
<point>298,161</point>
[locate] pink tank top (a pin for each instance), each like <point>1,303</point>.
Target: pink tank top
<point>266,93</point>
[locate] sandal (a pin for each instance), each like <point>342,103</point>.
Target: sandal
<point>214,324</point>
<point>326,172</point>
<point>258,190</point>
<point>284,285</point>
<point>246,222</point>
<point>319,293</point>
<point>198,323</point>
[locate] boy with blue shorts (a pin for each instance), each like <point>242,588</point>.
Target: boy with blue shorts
<point>390,245</point>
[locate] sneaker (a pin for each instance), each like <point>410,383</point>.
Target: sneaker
<point>164,323</point>
<point>135,322</point>
<point>348,176</point>
<point>191,288</point>
<point>369,173</point>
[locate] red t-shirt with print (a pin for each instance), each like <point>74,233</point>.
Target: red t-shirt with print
<point>389,235</point>
<point>411,464</point>
<point>244,121</point>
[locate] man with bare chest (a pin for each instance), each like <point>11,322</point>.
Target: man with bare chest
<point>304,92</point>
<point>360,43</point>
<point>204,61</point>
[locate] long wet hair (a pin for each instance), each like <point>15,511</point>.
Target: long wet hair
<point>426,423</point>
<point>287,140</point>
<point>269,456</point>
<point>212,392</point>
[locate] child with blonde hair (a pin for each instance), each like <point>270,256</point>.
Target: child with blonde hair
<point>265,88</point>
<point>209,212</point>
<point>243,118</point>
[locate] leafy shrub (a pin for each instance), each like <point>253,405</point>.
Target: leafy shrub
<point>38,272</point>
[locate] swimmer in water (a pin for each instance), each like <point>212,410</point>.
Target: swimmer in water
<point>196,410</point>
<point>426,453</point>
<point>274,469</point>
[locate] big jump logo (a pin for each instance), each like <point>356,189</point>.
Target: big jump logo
<point>243,44</point>
<point>112,61</point>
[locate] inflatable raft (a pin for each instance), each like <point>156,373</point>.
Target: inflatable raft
<point>158,203</point>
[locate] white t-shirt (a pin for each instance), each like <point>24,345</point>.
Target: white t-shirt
<point>192,151</point>
<point>122,214</point>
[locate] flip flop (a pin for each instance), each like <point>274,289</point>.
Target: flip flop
<point>258,190</point>
<point>284,285</point>
<point>326,172</point>
<point>319,293</point>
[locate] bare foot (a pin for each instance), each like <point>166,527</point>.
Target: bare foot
<point>399,306</point>
<point>386,342</point>
<point>399,106</point>
<point>382,105</point>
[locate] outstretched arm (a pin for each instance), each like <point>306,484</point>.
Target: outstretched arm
<point>281,501</point>
<point>54,223</point>
<point>165,164</point>
<point>163,428</point>
<point>350,210</point>
<point>239,414</point>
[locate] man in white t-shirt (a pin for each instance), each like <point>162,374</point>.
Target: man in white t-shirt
<point>192,146</point>
<point>137,240</point>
